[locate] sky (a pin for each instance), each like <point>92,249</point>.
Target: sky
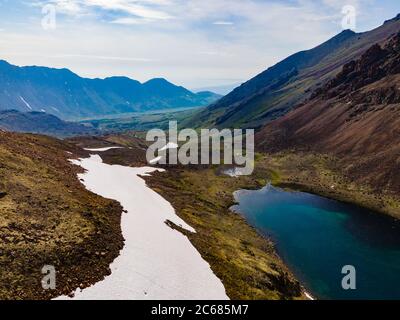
<point>194,43</point>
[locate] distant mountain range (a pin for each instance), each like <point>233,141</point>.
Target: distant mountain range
<point>42,123</point>
<point>222,90</point>
<point>66,95</point>
<point>276,91</point>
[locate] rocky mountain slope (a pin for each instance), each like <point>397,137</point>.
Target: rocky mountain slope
<point>277,90</point>
<point>49,218</point>
<point>355,116</point>
<point>66,95</point>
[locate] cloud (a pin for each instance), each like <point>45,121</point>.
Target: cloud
<point>146,9</point>
<point>196,43</point>
<point>136,8</point>
<point>223,23</point>
<point>130,21</point>
<point>68,7</point>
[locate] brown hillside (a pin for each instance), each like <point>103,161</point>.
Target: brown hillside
<point>47,217</point>
<point>356,116</point>
<point>274,92</point>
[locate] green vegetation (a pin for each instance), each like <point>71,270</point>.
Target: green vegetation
<point>141,122</point>
<point>245,262</point>
<point>322,174</point>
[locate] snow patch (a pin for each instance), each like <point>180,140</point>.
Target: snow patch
<point>102,149</point>
<point>156,262</point>
<point>26,103</point>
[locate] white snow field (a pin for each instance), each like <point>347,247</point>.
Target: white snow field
<point>156,262</point>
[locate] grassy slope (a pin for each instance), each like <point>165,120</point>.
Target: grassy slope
<point>323,175</point>
<point>245,262</point>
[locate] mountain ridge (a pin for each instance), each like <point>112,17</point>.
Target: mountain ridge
<point>355,117</point>
<point>41,123</point>
<point>275,91</point>
<point>67,95</point>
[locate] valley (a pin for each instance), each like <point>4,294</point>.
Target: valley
<point>77,192</point>
<point>202,197</point>
<point>240,258</point>
<point>233,259</point>
<point>139,121</point>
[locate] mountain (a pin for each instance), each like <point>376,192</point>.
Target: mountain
<point>355,116</point>
<point>274,92</point>
<point>66,95</point>
<point>209,96</point>
<point>222,90</point>
<point>42,123</point>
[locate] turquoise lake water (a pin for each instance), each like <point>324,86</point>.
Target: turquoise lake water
<point>316,237</point>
